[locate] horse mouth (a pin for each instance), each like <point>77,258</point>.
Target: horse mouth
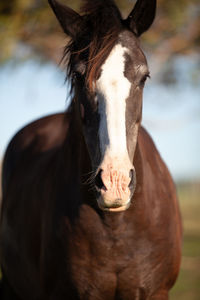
<point>114,207</point>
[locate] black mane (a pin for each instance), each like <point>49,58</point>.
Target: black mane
<point>98,32</point>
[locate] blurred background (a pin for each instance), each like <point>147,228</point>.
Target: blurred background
<point>32,85</point>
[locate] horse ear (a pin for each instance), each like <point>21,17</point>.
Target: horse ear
<point>142,16</point>
<point>67,17</point>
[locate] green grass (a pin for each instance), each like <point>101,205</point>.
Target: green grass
<point>187,286</point>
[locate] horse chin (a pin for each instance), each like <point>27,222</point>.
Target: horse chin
<point>115,207</point>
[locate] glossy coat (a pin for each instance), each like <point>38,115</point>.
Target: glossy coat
<point>57,244</point>
<point>55,241</point>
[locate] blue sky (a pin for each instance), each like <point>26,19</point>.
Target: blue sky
<point>170,114</point>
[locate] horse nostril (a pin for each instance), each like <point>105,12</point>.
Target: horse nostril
<point>131,175</point>
<point>98,180</point>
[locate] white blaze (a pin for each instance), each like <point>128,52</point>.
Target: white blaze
<point>113,89</point>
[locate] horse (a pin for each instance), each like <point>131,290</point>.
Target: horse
<point>89,208</point>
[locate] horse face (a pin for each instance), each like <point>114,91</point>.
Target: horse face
<point>112,119</point>
<point>111,106</point>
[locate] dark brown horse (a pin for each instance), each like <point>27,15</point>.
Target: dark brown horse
<point>75,224</point>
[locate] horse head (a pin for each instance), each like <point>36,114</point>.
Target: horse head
<point>108,71</point>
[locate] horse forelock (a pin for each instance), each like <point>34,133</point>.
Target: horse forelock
<point>98,33</point>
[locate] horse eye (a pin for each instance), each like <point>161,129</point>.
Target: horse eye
<point>144,78</point>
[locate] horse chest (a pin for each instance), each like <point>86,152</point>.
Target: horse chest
<point>104,264</point>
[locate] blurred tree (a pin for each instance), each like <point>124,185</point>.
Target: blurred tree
<point>28,27</point>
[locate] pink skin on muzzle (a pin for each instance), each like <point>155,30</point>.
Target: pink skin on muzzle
<point>115,194</point>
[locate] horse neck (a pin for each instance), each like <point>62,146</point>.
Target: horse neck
<point>75,154</point>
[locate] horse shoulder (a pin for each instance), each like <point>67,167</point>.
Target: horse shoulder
<point>153,163</point>
<point>37,137</point>
<point>160,200</point>
<point>158,185</point>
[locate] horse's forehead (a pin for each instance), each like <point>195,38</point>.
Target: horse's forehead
<point>128,40</point>
<point>114,65</point>
<point>125,51</point>
<point>126,46</point>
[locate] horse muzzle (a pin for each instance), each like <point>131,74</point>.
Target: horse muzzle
<point>115,187</point>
